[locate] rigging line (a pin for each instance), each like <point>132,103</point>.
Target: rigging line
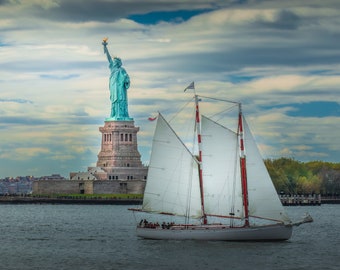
<point>219,99</point>
<point>179,139</point>
<point>188,203</point>
<point>234,184</point>
<point>235,104</point>
<point>265,218</point>
<point>217,123</point>
<point>134,216</point>
<point>224,111</point>
<point>179,111</point>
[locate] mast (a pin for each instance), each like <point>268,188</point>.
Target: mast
<point>244,183</point>
<point>198,130</point>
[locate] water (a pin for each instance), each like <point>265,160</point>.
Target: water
<point>102,237</point>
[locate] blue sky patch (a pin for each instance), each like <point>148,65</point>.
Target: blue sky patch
<point>312,109</point>
<point>166,16</point>
<point>241,78</point>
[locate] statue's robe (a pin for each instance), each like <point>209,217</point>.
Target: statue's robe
<point>119,83</point>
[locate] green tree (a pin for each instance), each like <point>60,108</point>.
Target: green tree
<point>295,177</point>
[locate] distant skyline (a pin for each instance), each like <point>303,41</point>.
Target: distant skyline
<point>281,59</point>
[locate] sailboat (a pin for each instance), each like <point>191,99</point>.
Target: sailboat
<point>225,187</point>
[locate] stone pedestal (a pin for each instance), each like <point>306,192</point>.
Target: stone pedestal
<point>118,159</point>
<point>119,145</point>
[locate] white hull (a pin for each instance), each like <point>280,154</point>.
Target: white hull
<point>276,232</point>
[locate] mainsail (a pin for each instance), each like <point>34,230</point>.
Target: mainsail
<point>172,182</point>
<point>221,170</point>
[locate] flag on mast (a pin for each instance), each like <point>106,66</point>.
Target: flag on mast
<point>190,86</point>
<point>152,118</point>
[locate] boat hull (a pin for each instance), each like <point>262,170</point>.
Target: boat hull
<point>278,232</point>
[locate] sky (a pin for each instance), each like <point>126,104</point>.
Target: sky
<point>281,59</point>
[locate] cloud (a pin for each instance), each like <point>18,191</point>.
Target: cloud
<point>277,57</point>
<point>23,153</point>
<point>23,120</point>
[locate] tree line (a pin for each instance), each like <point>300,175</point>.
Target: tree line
<point>294,177</point>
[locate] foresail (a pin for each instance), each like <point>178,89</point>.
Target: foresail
<point>221,170</point>
<point>172,184</point>
<point>263,199</point>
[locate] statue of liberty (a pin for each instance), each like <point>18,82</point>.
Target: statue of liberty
<point>118,84</point>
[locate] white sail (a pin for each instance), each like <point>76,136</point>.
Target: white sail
<point>172,185</point>
<point>221,170</point>
<point>263,199</point>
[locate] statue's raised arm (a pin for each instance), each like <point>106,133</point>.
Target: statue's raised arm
<point>106,51</point>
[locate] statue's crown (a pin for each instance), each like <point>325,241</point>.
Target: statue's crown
<point>117,60</point>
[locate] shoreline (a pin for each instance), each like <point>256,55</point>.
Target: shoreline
<point>45,200</point>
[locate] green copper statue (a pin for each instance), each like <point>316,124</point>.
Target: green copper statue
<point>119,83</point>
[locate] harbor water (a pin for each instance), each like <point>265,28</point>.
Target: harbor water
<point>103,237</point>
